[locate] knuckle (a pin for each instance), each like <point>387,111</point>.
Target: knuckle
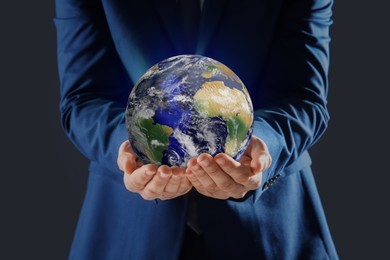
<point>205,193</point>
<point>149,194</point>
<point>253,183</point>
<point>239,195</point>
<point>184,191</point>
<point>132,186</point>
<point>213,169</point>
<point>146,197</point>
<point>167,193</point>
<point>221,196</point>
<point>136,187</point>
<point>168,196</point>
<point>170,189</point>
<point>199,173</point>
<point>175,180</point>
<point>202,191</point>
<point>129,187</point>
<point>159,182</point>
<point>192,179</point>
<point>164,197</point>
<point>156,182</point>
<point>213,188</point>
<point>230,169</point>
<point>225,185</point>
<point>242,179</point>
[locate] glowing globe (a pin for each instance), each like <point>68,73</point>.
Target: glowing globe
<point>187,105</point>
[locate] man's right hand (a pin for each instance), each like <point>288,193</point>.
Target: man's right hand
<point>151,181</point>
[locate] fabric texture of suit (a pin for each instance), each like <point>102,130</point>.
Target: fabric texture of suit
<point>279,49</point>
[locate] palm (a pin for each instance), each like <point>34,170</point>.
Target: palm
<point>222,177</point>
<point>149,180</point>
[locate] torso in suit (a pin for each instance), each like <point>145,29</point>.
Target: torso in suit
<point>279,49</point>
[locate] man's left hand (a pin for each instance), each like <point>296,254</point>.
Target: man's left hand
<point>222,177</point>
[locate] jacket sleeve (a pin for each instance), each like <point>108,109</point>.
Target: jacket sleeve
<point>94,85</point>
<point>294,115</point>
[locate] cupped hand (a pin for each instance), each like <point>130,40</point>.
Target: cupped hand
<point>151,181</point>
<point>222,177</point>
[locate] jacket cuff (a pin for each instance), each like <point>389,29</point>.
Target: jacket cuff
<point>278,169</point>
<point>302,162</point>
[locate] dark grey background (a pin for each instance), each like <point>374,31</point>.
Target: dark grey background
<point>43,177</point>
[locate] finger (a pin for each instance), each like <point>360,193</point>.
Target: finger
<point>217,194</point>
<point>223,180</point>
<point>246,161</point>
<point>127,162</point>
<point>258,151</point>
<point>173,185</point>
<point>203,178</point>
<point>139,163</point>
<point>236,170</point>
<point>191,178</point>
<point>155,187</point>
<point>260,162</point>
<point>240,173</point>
<point>124,147</point>
<point>185,185</point>
<point>137,181</point>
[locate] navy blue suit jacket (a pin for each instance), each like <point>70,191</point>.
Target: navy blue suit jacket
<point>280,50</point>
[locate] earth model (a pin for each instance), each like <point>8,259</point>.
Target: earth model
<point>187,105</point>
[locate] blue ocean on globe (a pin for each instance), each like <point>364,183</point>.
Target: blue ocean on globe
<point>187,105</point>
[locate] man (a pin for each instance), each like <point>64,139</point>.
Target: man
<point>264,207</point>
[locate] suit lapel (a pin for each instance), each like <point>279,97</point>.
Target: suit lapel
<point>168,12</point>
<point>210,17</point>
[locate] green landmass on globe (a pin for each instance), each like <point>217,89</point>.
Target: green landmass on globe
<point>157,138</point>
<point>215,99</point>
<point>188,105</point>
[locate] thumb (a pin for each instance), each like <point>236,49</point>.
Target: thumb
<point>261,162</point>
<point>127,161</point>
<point>261,159</point>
